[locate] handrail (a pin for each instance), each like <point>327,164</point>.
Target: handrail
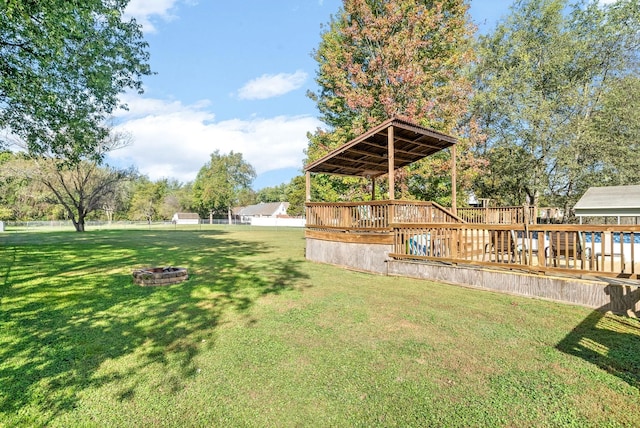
<point>373,216</point>
<point>499,215</point>
<point>591,250</point>
<point>454,216</point>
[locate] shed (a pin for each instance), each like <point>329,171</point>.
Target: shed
<point>185,218</point>
<point>610,201</point>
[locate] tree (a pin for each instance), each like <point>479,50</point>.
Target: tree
<point>616,126</point>
<point>547,81</point>
<point>158,200</point>
<point>114,205</point>
<point>19,197</point>
<point>63,65</point>
<point>220,181</point>
<point>296,195</point>
<point>293,192</point>
<point>272,194</point>
<point>80,186</point>
<point>247,197</point>
<point>384,58</point>
<point>146,200</point>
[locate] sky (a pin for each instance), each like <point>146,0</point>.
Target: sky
<point>232,76</point>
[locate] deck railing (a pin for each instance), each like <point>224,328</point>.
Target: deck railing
<point>374,216</point>
<point>585,250</point>
<point>498,215</point>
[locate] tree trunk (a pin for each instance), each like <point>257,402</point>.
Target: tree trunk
<point>229,215</point>
<point>79,224</point>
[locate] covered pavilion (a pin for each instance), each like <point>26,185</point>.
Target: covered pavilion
<point>393,144</point>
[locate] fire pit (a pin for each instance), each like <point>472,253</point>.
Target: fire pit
<point>160,276</point>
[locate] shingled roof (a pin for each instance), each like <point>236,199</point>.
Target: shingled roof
<point>264,209</point>
<point>609,201</point>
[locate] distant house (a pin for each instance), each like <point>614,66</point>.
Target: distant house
<point>611,201</point>
<point>185,218</point>
<point>261,210</point>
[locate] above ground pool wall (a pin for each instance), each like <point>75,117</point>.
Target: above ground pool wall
<point>601,295</point>
<point>364,255</point>
<point>354,255</point>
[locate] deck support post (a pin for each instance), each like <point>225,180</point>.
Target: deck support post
<point>392,178</point>
<point>454,201</point>
<point>391,159</point>
<point>307,179</point>
<point>373,188</point>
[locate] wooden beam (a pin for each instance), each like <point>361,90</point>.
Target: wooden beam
<point>344,158</point>
<point>342,167</point>
<point>371,154</point>
<point>391,158</point>
<point>417,129</point>
<point>307,177</point>
<point>454,177</point>
<point>415,156</point>
<point>373,188</point>
<point>421,143</point>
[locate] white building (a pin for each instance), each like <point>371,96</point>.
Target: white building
<point>185,218</point>
<point>261,210</point>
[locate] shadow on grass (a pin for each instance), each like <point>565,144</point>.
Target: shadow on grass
<point>610,342</point>
<point>68,305</point>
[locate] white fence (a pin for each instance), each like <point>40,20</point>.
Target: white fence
<point>280,222</point>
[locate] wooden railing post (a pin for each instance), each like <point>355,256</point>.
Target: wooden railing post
<point>391,166</point>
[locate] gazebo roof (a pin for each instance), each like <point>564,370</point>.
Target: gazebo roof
<point>367,155</point>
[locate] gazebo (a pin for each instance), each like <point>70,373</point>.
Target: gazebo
<point>359,234</point>
<point>393,144</point>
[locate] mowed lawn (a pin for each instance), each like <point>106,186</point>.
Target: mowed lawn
<point>260,337</point>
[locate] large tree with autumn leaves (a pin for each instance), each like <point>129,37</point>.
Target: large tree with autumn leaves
<point>383,58</point>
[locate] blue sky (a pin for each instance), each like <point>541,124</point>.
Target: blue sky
<point>232,76</point>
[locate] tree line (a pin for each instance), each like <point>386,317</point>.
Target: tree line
<point>44,189</point>
<point>544,106</point>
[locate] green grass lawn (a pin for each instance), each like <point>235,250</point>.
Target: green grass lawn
<point>259,337</point>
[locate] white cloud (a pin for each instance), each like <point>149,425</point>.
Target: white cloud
<point>272,85</point>
<point>145,10</point>
<point>174,140</point>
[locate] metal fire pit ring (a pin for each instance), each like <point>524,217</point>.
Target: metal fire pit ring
<point>154,276</point>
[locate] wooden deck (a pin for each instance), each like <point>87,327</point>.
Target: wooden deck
<point>427,231</point>
<point>582,251</point>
